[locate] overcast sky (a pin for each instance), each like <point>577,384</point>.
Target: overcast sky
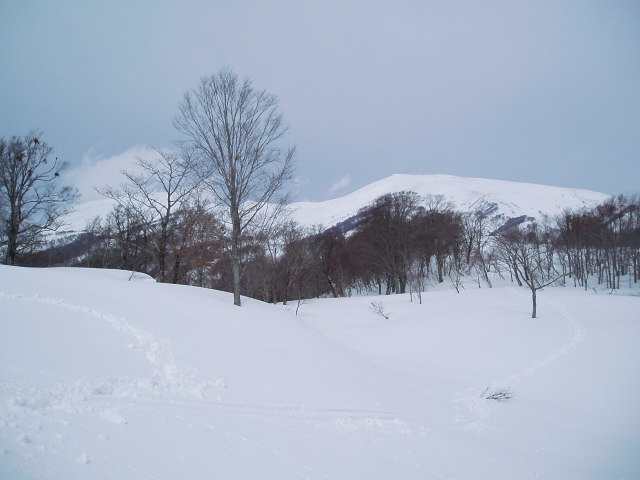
<point>531,91</point>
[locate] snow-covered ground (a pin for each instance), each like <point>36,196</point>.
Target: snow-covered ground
<point>103,376</point>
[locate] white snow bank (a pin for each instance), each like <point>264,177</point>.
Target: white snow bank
<point>103,377</point>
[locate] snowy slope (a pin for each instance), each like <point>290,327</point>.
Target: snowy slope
<point>103,376</point>
<point>503,199</point>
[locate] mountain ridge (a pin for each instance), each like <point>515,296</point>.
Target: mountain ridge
<point>500,199</point>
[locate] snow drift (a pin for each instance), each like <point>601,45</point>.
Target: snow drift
<point>105,375</point>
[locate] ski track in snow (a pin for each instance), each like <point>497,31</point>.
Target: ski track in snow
<point>175,386</point>
<point>186,390</point>
<point>72,397</point>
<point>478,405</point>
<point>170,378</point>
<point>29,405</point>
<point>28,423</point>
<point>576,335</point>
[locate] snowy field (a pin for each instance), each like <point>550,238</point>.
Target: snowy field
<point>107,377</point>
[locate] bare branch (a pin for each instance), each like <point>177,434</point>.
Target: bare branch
<point>378,308</point>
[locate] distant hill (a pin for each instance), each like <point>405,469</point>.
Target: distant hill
<point>499,199</point>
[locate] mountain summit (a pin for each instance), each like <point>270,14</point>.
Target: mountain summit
<point>500,199</point>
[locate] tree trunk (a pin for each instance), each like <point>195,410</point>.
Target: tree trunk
<point>330,283</point>
<point>403,285</point>
<point>235,255</point>
<point>162,251</point>
<point>440,263</point>
<point>534,300</point>
<point>176,269</point>
<point>12,244</point>
<point>10,257</point>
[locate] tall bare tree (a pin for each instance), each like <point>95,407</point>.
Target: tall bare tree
<point>234,130</point>
<point>31,199</point>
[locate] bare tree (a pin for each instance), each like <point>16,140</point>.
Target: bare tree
<point>196,243</point>
<point>440,229</point>
<point>475,237</point>
<point>234,130</point>
<point>385,236</point>
<point>130,231</point>
<point>31,201</point>
<point>164,184</point>
<point>298,261</point>
<point>530,257</point>
<point>332,259</point>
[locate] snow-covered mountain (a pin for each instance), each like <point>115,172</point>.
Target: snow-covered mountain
<point>499,199</point>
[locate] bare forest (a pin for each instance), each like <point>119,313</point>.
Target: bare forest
<point>401,243</point>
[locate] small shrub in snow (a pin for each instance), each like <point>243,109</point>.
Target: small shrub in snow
<point>377,308</point>
<point>300,303</point>
<point>499,395</point>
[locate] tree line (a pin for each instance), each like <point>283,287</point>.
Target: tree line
<point>400,243</point>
